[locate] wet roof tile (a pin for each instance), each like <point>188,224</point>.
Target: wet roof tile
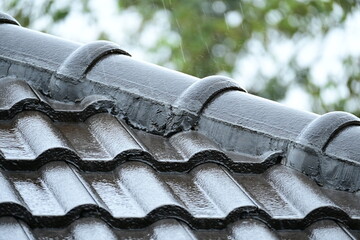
<point>91,228</point>
<point>76,162</point>
<point>40,134</point>
<point>135,193</point>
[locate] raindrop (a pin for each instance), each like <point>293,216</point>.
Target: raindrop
<point>181,46</point>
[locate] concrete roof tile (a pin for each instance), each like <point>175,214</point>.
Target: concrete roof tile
<point>97,145</point>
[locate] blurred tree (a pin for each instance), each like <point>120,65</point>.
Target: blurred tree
<point>209,37</point>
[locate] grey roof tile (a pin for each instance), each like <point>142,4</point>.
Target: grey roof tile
<point>17,96</point>
<point>14,95</point>
<point>135,193</point>
<point>213,162</point>
<point>91,228</point>
<point>89,138</point>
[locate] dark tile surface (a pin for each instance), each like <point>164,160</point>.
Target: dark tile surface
<point>56,173</point>
<point>166,102</point>
<point>91,228</point>
<point>134,194</point>
<point>71,169</point>
<point>97,141</point>
<point>102,142</point>
<point>17,96</point>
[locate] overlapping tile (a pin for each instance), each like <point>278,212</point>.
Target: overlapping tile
<point>62,162</point>
<point>134,194</point>
<point>136,189</point>
<point>17,96</point>
<point>91,228</point>
<point>102,142</point>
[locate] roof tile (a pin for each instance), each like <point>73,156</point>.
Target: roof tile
<point>136,191</point>
<point>91,228</point>
<point>103,140</point>
<point>79,165</point>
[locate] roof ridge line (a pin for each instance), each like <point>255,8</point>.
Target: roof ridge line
<point>180,102</point>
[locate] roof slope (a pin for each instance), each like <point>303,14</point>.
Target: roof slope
<point>138,151</point>
<point>94,229</point>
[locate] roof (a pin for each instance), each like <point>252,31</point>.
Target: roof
<point>96,144</point>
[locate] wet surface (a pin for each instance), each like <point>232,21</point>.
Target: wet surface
<point>17,96</point>
<point>166,102</point>
<point>74,170</point>
<point>134,194</point>
<point>94,229</point>
<point>32,138</point>
<point>57,171</point>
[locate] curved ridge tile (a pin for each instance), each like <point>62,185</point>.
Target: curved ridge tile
<point>7,19</point>
<point>195,97</point>
<point>65,80</point>
<point>308,154</point>
<point>79,62</point>
<point>189,105</point>
<point>321,130</point>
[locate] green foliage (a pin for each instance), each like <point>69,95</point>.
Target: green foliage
<point>26,12</point>
<point>60,14</point>
<point>211,36</point>
<point>211,41</point>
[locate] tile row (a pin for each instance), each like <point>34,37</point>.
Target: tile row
<point>17,96</point>
<point>209,195</point>
<point>247,229</point>
<point>102,142</point>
